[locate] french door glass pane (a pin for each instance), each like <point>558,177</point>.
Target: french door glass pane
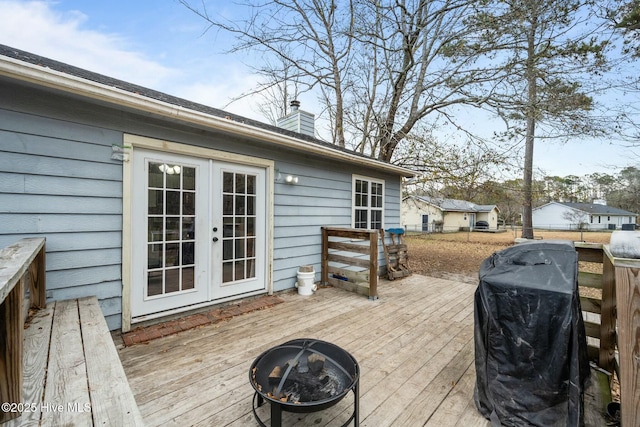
<point>188,281</point>
<point>173,203</point>
<point>240,246</point>
<point>155,229</point>
<point>188,203</point>
<point>154,283</point>
<point>240,205</point>
<point>238,211</point>
<point>227,272</point>
<point>189,179</point>
<point>170,228</point>
<point>240,180</point>
<point>251,205</point>
<point>156,202</point>
<point>251,226</point>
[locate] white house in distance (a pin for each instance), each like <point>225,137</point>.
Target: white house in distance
<point>569,216</point>
<point>428,214</point>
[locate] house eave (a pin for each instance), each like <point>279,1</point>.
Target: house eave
<point>38,75</point>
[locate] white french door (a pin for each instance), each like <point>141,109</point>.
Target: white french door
<point>239,230</point>
<point>198,231</point>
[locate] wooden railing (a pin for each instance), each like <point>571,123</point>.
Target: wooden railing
<point>22,269</point>
<point>350,259</point>
<point>624,274</point>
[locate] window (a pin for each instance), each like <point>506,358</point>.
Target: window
<point>368,203</point>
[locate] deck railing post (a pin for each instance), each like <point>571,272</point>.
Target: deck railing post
<point>628,307</point>
<point>606,357</point>
<point>373,265</point>
<point>623,251</point>
<point>325,257</point>
<point>38,280</point>
<point>11,337</point>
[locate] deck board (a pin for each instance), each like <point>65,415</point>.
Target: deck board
<point>414,346</point>
<point>66,381</point>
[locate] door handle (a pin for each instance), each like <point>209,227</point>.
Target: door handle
<point>215,239</point>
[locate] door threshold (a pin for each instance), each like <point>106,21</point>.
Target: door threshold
<point>163,327</point>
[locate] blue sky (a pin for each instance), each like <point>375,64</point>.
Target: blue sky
<point>154,43</point>
<point>162,45</point>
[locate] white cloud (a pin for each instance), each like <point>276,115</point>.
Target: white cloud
<point>220,87</point>
<point>35,27</point>
<point>38,27</point>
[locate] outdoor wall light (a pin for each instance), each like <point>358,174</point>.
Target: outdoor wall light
<point>170,170</point>
<point>286,178</point>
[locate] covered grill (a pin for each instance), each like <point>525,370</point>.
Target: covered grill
<point>304,375</point>
<point>531,355</point>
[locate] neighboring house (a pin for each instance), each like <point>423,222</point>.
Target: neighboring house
<point>158,205</point>
<point>589,216</point>
<point>429,214</point>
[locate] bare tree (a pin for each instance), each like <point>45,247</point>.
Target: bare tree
<point>313,38</point>
<point>276,93</point>
<point>577,217</point>
<point>380,67</point>
<point>447,169</point>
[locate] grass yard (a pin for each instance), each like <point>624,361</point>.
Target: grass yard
<point>457,256</point>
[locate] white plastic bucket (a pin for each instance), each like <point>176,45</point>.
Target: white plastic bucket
<point>305,284</point>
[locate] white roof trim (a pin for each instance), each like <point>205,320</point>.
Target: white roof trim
<point>39,75</point>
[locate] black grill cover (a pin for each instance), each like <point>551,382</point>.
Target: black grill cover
<point>530,345</point>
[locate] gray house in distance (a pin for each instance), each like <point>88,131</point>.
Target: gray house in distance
<point>158,205</point>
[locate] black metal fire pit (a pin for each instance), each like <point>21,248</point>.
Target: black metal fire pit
<point>303,376</point>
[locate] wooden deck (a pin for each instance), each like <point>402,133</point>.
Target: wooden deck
<point>414,346</point>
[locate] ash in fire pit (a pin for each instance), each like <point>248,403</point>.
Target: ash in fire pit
<point>307,381</point>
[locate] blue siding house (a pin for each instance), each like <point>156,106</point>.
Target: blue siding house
<point>159,205</point>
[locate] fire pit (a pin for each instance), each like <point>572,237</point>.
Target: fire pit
<point>303,376</point>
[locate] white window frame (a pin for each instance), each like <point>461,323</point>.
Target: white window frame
<point>368,208</point>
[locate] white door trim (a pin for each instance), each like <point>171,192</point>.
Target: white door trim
<point>133,142</point>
